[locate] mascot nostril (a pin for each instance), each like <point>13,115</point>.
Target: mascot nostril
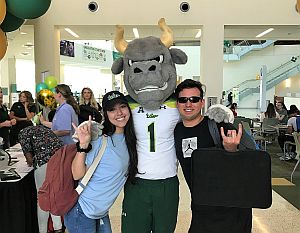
<point>137,70</point>
<point>152,68</point>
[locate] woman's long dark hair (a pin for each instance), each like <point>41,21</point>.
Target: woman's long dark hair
<point>270,113</point>
<point>130,138</point>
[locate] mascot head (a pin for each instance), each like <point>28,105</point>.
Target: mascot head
<point>149,66</point>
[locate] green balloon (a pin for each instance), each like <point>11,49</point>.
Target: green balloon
<point>51,82</point>
<point>28,9</point>
<point>11,23</point>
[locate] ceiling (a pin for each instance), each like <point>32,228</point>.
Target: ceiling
<point>184,35</point>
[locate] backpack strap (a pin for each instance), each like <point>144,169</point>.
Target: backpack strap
<point>82,184</point>
<point>214,132</point>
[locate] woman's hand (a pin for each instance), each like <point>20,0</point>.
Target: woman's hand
<point>232,140</point>
<point>84,133</point>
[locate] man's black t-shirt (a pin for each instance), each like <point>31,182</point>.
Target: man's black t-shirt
<point>207,219</point>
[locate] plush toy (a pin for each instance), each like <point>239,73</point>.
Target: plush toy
<point>150,79</point>
<point>220,113</point>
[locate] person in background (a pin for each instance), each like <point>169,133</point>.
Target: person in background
<point>5,123</point>
<point>22,111</point>
<point>282,111</point>
<point>269,113</point>
<point>230,99</point>
<point>233,108</point>
<point>193,133</point>
<point>293,126</point>
<point>118,164</point>
<point>65,115</point>
<point>89,106</point>
<point>294,111</point>
<point>39,143</point>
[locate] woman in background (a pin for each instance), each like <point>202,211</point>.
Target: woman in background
<point>89,106</point>
<point>233,108</point>
<point>22,111</point>
<point>270,113</point>
<point>65,115</point>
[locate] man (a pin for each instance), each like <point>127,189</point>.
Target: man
<point>293,126</point>
<point>5,123</point>
<point>193,132</point>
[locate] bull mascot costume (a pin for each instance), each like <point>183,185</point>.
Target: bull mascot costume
<point>151,204</point>
<point>150,79</point>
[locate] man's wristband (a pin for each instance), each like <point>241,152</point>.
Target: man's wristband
<point>85,150</point>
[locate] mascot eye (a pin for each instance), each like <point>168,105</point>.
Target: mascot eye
<point>159,59</point>
<point>130,62</point>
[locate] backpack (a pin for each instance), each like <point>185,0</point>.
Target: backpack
<point>298,123</point>
<point>57,195</point>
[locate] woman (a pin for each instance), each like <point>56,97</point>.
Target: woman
<point>39,143</point>
<point>270,113</point>
<point>118,163</point>
<point>22,111</point>
<point>233,108</point>
<point>65,115</point>
<point>89,106</point>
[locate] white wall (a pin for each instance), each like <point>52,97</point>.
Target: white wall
<point>25,76</point>
<point>79,77</point>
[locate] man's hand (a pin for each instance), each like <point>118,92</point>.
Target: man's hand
<point>232,140</point>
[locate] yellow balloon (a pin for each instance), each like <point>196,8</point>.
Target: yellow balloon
<point>2,10</point>
<point>46,98</point>
<point>3,44</point>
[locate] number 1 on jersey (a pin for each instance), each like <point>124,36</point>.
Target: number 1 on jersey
<point>152,137</point>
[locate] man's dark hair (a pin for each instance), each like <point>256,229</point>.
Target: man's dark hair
<point>187,84</point>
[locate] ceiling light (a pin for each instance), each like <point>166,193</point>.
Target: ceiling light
<point>136,32</point>
<point>71,32</point>
<point>265,32</point>
<point>23,33</point>
<point>198,33</point>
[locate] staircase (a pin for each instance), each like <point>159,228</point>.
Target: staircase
<point>234,53</point>
<point>274,77</point>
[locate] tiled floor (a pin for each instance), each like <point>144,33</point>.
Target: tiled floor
<point>281,217</point>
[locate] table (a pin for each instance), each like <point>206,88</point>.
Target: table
<point>18,200</point>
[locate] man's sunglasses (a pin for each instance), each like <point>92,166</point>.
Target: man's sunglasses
<point>192,99</point>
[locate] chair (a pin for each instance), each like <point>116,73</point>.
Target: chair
<point>256,137</point>
<point>268,128</point>
<point>296,138</point>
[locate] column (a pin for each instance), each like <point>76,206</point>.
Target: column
<point>46,50</point>
<point>211,62</point>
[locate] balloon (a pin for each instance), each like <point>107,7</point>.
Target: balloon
<point>51,82</point>
<point>40,86</point>
<point>2,10</point>
<point>28,9</point>
<point>46,98</point>
<point>3,44</point>
<point>11,23</point>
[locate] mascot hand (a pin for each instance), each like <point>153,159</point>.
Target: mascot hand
<point>220,113</point>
